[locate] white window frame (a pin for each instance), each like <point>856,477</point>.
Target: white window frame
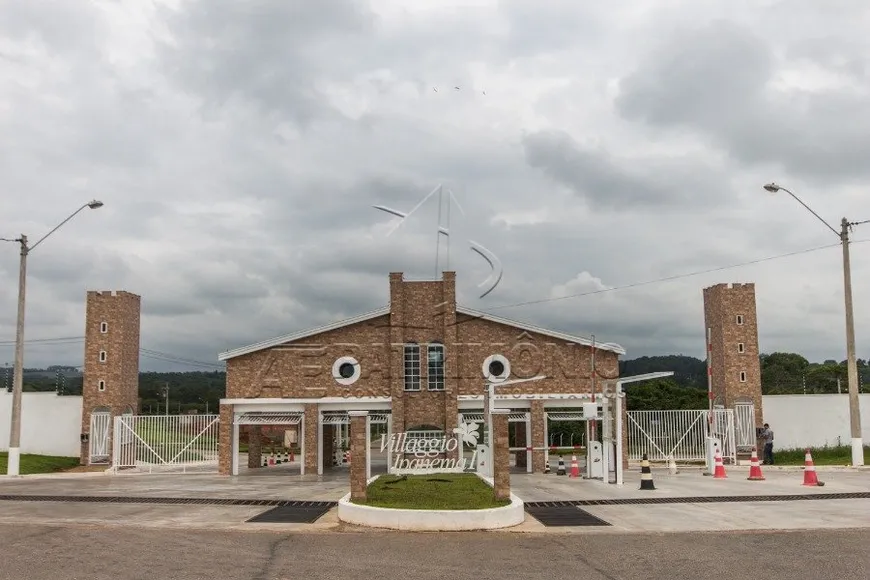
<point>434,382</point>
<point>741,348</point>
<point>104,327</point>
<point>739,320</point>
<point>104,356</point>
<point>742,376</point>
<point>411,367</point>
<point>101,385</point>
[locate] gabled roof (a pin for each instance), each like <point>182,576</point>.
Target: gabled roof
<point>609,346</point>
<point>386,310</point>
<point>303,334</point>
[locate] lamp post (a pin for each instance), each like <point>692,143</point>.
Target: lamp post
<point>18,376</point>
<point>851,362</point>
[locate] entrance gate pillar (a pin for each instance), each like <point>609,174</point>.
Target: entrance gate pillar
<point>538,421</point>
<point>225,440</point>
<point>359,454</point>
<point>501,462</point>
<point>255,446</point>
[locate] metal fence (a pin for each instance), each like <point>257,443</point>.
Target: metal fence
<point>166,443</point>
<point>680,435</point>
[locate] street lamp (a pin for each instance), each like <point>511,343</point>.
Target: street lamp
<point>851,363</point>
<point>18,377</point>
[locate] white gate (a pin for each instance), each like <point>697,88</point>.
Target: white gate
<point>98,437</point>
<point>744,419</point>
<point>679,434</point>
<point>166,442</point>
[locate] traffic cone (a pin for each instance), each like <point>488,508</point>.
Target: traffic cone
<point>754,468</point>
<point>575,467</point>
<point>719,472</point>
<point>546,465</point>
<point>560,470</point>
<point>810,475</point>
<point>292,457</point>
<point>271,460</point>
<point>646,480</point>
<point>672,466</point>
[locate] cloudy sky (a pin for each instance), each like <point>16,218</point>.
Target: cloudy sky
<point>239,148</point>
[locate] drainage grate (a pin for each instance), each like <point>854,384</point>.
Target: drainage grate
<point>707,499</point>
<point>564,515</point>
<point>172,500</point>
<point>291,515</point>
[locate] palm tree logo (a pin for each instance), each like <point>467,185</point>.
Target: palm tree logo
<point>468,432</point>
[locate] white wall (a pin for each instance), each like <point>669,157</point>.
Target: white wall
<point>50,425</point>
<point>800,421</point>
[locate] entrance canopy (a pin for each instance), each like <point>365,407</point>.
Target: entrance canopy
<point>269,418</point>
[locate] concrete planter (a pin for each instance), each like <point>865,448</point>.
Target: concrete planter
<point>432,520</point>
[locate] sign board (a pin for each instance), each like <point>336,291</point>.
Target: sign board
<point>428,454</point>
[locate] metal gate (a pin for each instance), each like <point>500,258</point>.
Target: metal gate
<point>680,435</point>
<point>98,438</point>
<point>166,443</point>
<point>744,419</point>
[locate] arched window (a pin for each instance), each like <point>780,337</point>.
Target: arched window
<point>435,356</point>
<point>412,367</point>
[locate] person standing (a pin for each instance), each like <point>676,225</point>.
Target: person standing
<point>767,437</point>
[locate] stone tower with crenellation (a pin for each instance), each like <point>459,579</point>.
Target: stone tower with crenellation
<point>730,314</point>
<point>111,371</point>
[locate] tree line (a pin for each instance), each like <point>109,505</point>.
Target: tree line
<point>781,373</point>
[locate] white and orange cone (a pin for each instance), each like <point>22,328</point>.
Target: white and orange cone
<point>755,468</point>
<point>719,471</point>
<point>575,467</point>
<point>810,475</point>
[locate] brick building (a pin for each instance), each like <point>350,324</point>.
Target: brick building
<point>420,363</point>
<point>110,380</point>
<point>731,319</point>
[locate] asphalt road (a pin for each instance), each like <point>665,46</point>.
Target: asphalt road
<point>89,553</point>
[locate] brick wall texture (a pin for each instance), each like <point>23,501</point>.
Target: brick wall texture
<point>421,312</point>
<point>723,304</point>
<point>111,326</point>
<point>501,469</point>
<point>358,454</point>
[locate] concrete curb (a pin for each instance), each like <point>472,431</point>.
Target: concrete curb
<point>432,520</point>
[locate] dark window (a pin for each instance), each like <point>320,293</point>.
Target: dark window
<point>496,368</point>
<point>412,367</point>
<point>436,367</point>
<point>346,370</point>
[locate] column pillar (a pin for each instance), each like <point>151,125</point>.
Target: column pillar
<point>501,463</point>
<point>225,440</point>
<point>539,435</point>
<point>359,429</point>
<point>311,433</point>
<point>255,446</point>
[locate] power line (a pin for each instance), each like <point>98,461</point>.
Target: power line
<point>667,278</point>
<point>58,340</point>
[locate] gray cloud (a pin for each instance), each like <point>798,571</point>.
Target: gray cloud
<point>239,149</point>
<point>719,80</point>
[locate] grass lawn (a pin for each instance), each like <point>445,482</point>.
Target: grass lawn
<point>821,455</point>
<point>438,491</point>
<point>31,464</point>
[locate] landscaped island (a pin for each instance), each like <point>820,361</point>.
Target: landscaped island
<point>439,491</point>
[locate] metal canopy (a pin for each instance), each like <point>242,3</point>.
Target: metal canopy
<point>478,417</point>
<point>269,418</point>
<point>342,418</point>
<point>568,417</point>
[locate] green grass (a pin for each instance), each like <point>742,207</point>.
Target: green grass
<point>32,464</point>
<point>438,491</point>
<point>841,455</point>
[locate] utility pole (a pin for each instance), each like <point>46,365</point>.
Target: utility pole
<point>166,395</point>
<point>14,461</point>
<point>851,362</point>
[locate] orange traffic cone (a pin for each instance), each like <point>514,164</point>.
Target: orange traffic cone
<point>271,460</point>
<point>719,471</point>
<point>575,468</point>
<point>810,475</point>
<point>754,468</point>
<point>292,457</point>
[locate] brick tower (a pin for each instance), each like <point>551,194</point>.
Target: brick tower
<point>111,372</point>
<point>729,313</point>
